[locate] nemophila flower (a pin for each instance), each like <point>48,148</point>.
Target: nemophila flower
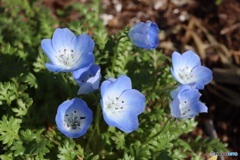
<point>73,118</point>
<point>68,52</point>
<point>187,69</point>
<point>145,35</point>
<point>121,104</point>
<point>88,79</point>
<point>186,102</point>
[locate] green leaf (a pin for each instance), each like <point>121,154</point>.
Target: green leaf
<point>9,130</point>
<point>6,156</point>
<point>68,150</point>
<point>119,140</point>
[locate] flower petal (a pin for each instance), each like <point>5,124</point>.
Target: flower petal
<point>153,35</point>
<point>202,108</point>
<point>203,76</point>
<point>86,88</point>
<point>126,123</point>
<point>46,45</point>
<point>83,44</point>
<point>85,61</point>
<point>189,102</point>
<point>138,28</point>
<point>95,81</point>
<point>121,84</point>
<point>88,79</point>
<point>62,39</point>
<point>174,93</point>
<point>134,101</point>
<point>94,69</point>
<point>141,41</point>
<point>174,106</point>
<point>78,73</point>
<point>54,68</point>
<point>176,60</point>
<point>176,76</point>
<point>190,95</point>
<point>190,59</point>
<point>104,87</point>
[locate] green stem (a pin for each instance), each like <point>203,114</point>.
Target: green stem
<point>115,51</point>
<point>97,120</point>
<point>65,77</point>
<point>96,127</point>
<point>158,133</point>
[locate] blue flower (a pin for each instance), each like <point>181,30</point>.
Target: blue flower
<point>145,35</point>
<point>68,52</point>
<point>73,118</point>
<point>88,79</point>
<point>187,69</point>
<point>186,102</point>
<point>121,104</point>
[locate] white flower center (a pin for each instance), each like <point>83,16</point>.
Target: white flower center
<point>114,105</point>
<point>184,108</point>
<point>67,58</point>
<point>186,74</point>
<point>73,120</point>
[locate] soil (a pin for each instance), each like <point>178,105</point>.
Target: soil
<point>211,30</point>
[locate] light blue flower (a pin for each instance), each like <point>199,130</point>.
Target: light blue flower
<point>73,118</point>
<point>145,35</point>
<point>121,104</point>
<point>187,69</point>
<point>186,102</point>
<point>68,52</point>
<point>88,79</point>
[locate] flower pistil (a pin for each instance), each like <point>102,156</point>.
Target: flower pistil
<point>66,58</point>
<point>73,120</point>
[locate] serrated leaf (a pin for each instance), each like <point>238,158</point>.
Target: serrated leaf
<point>9,130</point>
<point>68,150</point>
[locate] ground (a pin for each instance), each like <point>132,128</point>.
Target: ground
<point>210,29</point>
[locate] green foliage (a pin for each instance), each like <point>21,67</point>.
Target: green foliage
<point>9,130</point>
<point>121,56</point>
<point>30,94</point>
<point>31,144</point>
<point>212,145</point>
<point>69,150</point>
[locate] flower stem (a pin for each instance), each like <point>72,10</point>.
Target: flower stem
<point>158,133</point>
<point>114,59</point>
<point>96,127</point>
<point>97,120</point>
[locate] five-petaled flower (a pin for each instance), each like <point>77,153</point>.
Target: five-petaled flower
<point>185,103</point>
<point>187,69</point>
<point>88,79</point>
<point>121,104</point>
<point>68,52</point>
<point>144,35</point>
<point>73,118</point>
